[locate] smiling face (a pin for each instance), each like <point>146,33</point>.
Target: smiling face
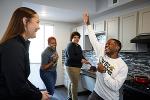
<point>75,39</point>
<point>111,47</point>
<point>52,43</point>
<point>31,26</point>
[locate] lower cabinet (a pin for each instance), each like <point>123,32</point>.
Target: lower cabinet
<point>88,82</point>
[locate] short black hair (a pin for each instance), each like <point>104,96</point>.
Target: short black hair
<point>118,43</point>
<point>75,33</point>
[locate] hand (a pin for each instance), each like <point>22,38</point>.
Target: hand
<point>86,18</point>
<point>55,57</point>
<point>85,61</point>
<point>101,68</point>
<point>45,95</point>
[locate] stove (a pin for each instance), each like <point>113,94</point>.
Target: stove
<point>134,90</point>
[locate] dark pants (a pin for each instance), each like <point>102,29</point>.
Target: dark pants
<point>49,79</point>
<point>94,96</point>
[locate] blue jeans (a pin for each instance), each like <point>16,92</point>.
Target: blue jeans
<point>49,78</point>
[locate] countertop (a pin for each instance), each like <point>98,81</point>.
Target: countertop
<point>88,73</point>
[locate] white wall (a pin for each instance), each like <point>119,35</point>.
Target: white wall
<point>7,7</point>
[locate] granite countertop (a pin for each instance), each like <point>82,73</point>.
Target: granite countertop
<point>88,73</point>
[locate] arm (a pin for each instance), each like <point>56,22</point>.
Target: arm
<point>98,47</point>
<point>114,82</point>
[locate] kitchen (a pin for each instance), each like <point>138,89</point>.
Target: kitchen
<point>123,20</point>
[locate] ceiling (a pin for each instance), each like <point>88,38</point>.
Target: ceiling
<point>63,12</point>
<point>71,11</point>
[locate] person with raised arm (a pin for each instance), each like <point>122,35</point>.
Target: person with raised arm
<point>111,70</point>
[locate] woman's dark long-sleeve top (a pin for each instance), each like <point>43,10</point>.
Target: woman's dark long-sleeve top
<point>73,55</point>
<point>14,71</point>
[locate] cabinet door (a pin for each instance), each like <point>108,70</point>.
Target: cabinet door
<point>144,20</point>
<point>128,30</point>
<point>99,27</point>
<point>88,82</point>
<point>112,26</point>
<point>80,30</point>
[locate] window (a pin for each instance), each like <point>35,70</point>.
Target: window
<point>39,43</point>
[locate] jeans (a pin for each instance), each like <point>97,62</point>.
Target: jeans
<point>49,78</point>
<point>74,75</point>
<point>94,96</point>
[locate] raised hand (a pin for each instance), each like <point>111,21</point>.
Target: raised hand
<point>86,18</point>
<point>85,61</point>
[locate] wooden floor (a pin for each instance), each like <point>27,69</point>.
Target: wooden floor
<point>61,94</point>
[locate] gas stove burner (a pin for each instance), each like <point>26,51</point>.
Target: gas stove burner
<point>135,91</point>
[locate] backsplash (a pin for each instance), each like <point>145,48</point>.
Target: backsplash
<point>138,62</point>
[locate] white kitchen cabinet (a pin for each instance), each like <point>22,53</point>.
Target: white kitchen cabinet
<point>144,20</point>
<point>112,28</point>
<point>128,30</point>
<point>74,29</point>
<point>99,27</point>
<point>88,82</point>
<point>66,79</point>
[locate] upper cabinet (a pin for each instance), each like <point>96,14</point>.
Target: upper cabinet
<point>99,27</point>
<point>144,20</point>
<point>112,28</point>
<point>74,29</point>
<point>115,3</point>
<point>128,30</point>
